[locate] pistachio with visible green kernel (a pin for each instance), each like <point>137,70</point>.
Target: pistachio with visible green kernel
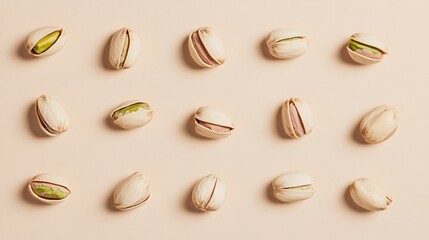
<point>212,123</point>
<point>48,188</point>
<point>45,41</point>
<point>285,43</point>
<point>132,114</point>
<point>366,49</point>
<point>124,48</point>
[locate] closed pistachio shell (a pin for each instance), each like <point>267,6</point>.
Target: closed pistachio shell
<point>206,48</point>
<point>124,48</point>
<point>209,193</point>
<point>132,114</point>
<point>369,195</point>
<point>366,49</point>
<point>293,186</point>
<point>132,192</point>
<point>212,123</point>
<point>379,124</point>
<point>285,43</point>
<point>45,41</point>
<point>48,188</point>
<point>297,118</point>
<point>52,118</point>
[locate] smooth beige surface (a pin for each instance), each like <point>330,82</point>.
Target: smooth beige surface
<point>94,156</point>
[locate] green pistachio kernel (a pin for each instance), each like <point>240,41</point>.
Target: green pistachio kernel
<point>49,191</point>
<point>46,42</point>
<point>353,45</point>
<point>129,109</point>
<point>289,39</point>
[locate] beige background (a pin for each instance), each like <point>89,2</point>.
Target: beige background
<point>94,156</point>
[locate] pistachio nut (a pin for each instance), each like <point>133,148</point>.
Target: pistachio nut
<point>132,114</point>
<point>379,124</point>
<point>212,123</point>
<point>365,48</point>
<point>132,192</point>
<point>209,193</point>
<point>124,48</point>
<point>286,43</point>
<point>206,48</point>
<point>369,195</point>
<point>52,118</point>
<point>297,118</point>
<point>293,186</point>
<point>45,41</point>
<point>48,188</point>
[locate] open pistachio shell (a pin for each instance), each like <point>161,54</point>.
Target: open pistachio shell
<point>293,186</point>
<point>206,48</point>
<point>132,192</point>
<point>45,41</point>
<point>124,48</point>
<point>212,123</point>
<point>379,124</point>
<point>297,118</point>
<point>366,49</point>
<point>48,188</point>
<point>369,195</point>
<point>285,43</point>
<point>52,118</point>
<point>132,114</point>
<point>209,193</point>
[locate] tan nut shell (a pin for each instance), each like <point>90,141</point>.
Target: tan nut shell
<point>117,45</point>
<point>209,193</point>
<point>214,116</point>
<point>293,186</point>
<point>369,196</point>
<point>287,49</point>
<point>132,192</point>
<point>133,119</point>
<point>48,178</point>
<point>38,34</point>
<point>379,124</point>
<point>51,117</point>
<point>368,40</point>
<point>212,45</point>
<point>304,112</point>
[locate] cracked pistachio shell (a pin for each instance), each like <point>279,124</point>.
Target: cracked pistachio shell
<point>209,193</point>
<point>212,123</point>
<point>45,41</point>
<point>48,188</point>
<point>366,49</point>
<point>379,124</point>
<point>297,118</point>
<point>124,48</point>
<point>132,114</point>
<point>132,192</point>
<point>285,43</point>
<point>206,48</point>
<point>52,118</point>
<point>293,186</point>
<point>369,195</point>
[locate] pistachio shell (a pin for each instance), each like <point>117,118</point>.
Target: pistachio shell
<point>35,36</point>
<point>48,188</point>
<point>209,193</point>
<point>285,43</point>
<point>132,114</point>
<point>132,192</point>
<point>212,123</point>
<point>297,118</point>
<point>206,48</point>
<point>368,49</point>
<point>379,124</point>
<point>369,196</point>
<point>52,118</point>
<point>293,186</point>
<point>124,48</point>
